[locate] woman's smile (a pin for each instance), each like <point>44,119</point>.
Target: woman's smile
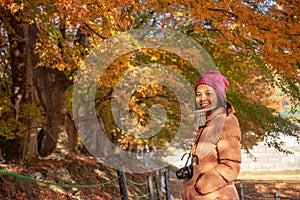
<point>206,97</point>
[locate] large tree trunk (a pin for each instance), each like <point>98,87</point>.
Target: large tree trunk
<point>23,61</point>
<point>60,134</point>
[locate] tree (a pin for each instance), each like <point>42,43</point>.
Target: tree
<point>33,87</point>
<point>22,62</point>
<point>59,54</point>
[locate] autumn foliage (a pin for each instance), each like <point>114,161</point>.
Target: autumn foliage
<point>254,43</point>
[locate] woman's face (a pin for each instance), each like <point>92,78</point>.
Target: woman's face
<point>206,97</point>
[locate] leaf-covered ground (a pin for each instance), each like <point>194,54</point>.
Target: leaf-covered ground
<point>263,190</point>
<point>82,177</point>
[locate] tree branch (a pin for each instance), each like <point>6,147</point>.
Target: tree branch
<point>223,11</point>
<point>92,30</point>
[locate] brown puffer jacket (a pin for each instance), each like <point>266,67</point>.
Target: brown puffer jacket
<point>213,176</point>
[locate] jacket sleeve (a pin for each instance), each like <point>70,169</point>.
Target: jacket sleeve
<point>229,159</point>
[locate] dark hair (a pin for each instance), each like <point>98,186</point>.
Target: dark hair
<point>229,108</point>
<point>221,102</point>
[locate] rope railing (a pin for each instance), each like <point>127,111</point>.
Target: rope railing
<point>152,182</point>
<point>135,183</point>
<point>140,196</point>
<point>56,184</point>
<point>139,184</point>
<point>148,183</point>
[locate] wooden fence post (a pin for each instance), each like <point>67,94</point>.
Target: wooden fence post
<point>150,185</point>
<point>122,184</point>
<point>276,195</point>
<point>157,187</point>
<point>166,175</point>
<point>242,192</point>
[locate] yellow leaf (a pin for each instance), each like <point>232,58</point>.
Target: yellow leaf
<point>178,14</point>
<point>154,58</point>
<point>233,26</point>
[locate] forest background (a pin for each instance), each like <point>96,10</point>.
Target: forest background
<point>255,44</point>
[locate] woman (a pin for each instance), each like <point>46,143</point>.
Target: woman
<point>216,145</point>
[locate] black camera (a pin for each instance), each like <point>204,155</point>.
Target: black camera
<point>187,171</point>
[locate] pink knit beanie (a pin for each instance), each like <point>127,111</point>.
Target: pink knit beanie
<point>214,79</point>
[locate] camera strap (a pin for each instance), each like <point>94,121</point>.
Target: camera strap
<point>196,145</point>
<point>197,140</point>
<point>190,154</point>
